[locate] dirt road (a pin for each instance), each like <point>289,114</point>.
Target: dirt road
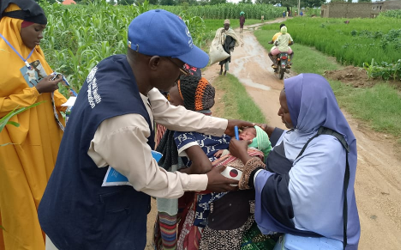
<point>378,180</point>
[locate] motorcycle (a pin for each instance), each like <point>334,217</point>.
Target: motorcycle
<point>282,65</point>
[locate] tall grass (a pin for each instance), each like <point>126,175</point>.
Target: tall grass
<point>391,14</point>
<point>237,102</point>
<point>354,43</point>
<point>380,105</point>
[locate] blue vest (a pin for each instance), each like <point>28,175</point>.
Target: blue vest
<point>75,211</point>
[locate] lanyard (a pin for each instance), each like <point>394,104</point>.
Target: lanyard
<point>73,92</point>
<point>54,106</point>
<point>25,60</point>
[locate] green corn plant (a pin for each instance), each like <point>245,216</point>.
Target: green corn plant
<point>6,119</point>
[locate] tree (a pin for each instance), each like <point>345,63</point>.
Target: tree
<point>203,2</point>
<point>167,2</point>
<point>364,1</point>
<point>125,2</point>
<point>312,3</point>
<point>193,2</point>
<point>338,1</point>
<point>213,2</point>
<point>288,3</point>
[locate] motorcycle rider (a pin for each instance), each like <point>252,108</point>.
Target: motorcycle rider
<point>273,57</point>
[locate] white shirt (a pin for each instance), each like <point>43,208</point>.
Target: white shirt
<point>121,142</point>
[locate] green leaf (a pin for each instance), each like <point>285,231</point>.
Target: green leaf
<point>5,120</point>
<point>13,123</point>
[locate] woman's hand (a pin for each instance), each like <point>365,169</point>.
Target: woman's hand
<point>268,129</point>
<point>47,85</point>
<point>239,149</point>
<point>239,123</point>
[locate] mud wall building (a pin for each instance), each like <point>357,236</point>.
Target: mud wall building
<point>354,10</point>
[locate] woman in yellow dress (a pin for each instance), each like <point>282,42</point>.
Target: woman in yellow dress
<point>29,156</point>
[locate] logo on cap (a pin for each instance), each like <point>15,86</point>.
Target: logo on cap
<point>190,42</point>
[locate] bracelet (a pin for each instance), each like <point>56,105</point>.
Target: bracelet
<point>252,175</point>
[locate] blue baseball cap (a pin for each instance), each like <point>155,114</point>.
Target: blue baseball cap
<point>162,33</point>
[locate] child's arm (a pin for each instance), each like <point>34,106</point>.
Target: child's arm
<point>200,162</point>
<point>219,153</point>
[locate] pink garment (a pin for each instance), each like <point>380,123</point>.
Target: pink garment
<point>275,51</point>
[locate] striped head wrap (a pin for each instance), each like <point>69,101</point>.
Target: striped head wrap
<point>196,92</point>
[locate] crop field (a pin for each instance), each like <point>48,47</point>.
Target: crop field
<point>77,37</point>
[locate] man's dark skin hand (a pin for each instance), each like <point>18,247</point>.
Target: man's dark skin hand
<point>239,123</point>
<point>218,183</point>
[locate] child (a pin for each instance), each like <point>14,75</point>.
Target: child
<point>197,150</point>
<point>256,136</point>
<point>241,21</point>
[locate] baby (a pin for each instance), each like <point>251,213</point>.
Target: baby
<point>256,136</point>
<point>259,146</point>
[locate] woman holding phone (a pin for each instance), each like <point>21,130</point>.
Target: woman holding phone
<point>28,152</point>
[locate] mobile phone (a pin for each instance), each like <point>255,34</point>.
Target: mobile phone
<point>54,77</point>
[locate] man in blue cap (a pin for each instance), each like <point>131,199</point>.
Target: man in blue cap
<point>112,125</point>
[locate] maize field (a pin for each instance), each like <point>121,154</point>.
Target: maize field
<point>78,37</point>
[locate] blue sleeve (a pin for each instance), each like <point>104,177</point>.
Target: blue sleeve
<point>183,139</point>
